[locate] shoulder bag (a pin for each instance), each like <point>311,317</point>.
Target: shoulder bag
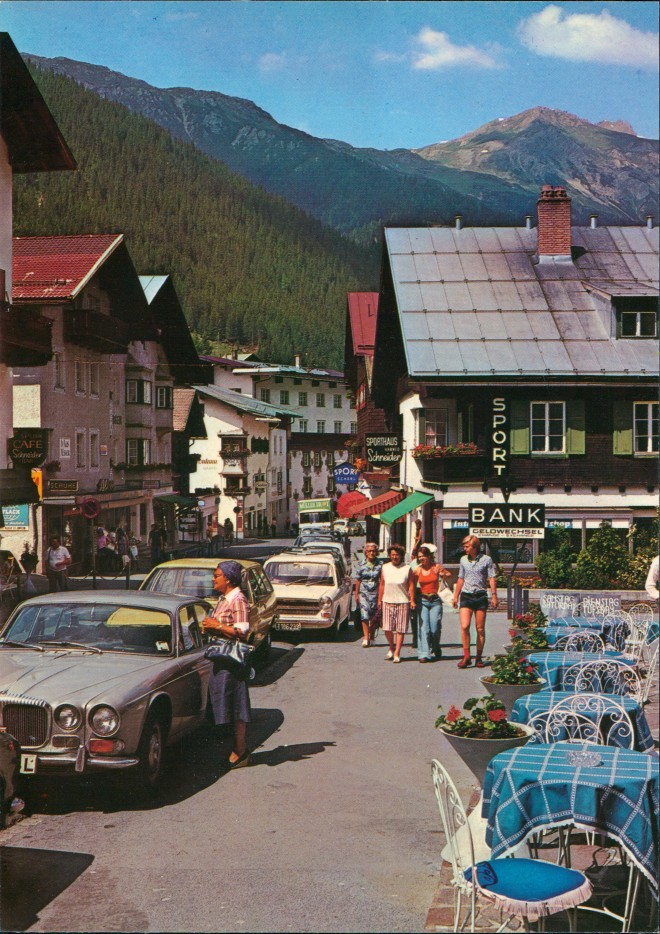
<point>230,654</point>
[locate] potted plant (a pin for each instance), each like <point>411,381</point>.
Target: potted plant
<point>481,732</point>
<point>533,618</point>
<point>462,448</point>
<point>511,678</point>
<point>533,641</point>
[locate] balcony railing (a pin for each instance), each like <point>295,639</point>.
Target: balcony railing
<point>95,330</point>
<point>25,337</point>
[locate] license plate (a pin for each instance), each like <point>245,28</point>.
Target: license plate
<point>28,764</point>
<point>288,627</point>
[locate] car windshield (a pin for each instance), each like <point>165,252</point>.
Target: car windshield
<point>299,572</point>
<point>105,627</point>
<point>193,582</point>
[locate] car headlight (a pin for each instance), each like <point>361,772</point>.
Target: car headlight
<point>325,602</point>
<point>104,721</point>
<point>67,717</point>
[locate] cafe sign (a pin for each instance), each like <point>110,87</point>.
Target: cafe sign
<point>524,520</point>
<point>383,450</point>
<point>28,447</point>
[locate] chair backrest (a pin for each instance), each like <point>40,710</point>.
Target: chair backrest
<point>649,661</point>
<point>589,718</point>
<point>636,640</point>
<point>583,640</point>
<point>603,676</point>
<point>454,820</point>
<point>642,612</point>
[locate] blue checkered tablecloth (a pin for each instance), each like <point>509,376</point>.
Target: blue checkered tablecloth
<point>612,632</point>
<point>553,665</point>
<point>531,705</point>
<point>536,786</point>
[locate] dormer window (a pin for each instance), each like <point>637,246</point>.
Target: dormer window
<point>638,317</point>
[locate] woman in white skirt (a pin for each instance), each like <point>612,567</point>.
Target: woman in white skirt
<point>396,598</point>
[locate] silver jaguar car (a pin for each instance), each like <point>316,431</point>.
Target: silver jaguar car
<point>102,680</point>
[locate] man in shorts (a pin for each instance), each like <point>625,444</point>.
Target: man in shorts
<point>476,573</point>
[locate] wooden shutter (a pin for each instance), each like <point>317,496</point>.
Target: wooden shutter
<point>519,434</point>
<point>421,426</point>
<point>622,427</point>
<point>575,429</point>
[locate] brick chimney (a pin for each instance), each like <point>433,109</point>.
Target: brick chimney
<point>554,233</point>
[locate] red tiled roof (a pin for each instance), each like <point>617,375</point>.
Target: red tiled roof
<point>374,507</point>
<point>54,269</point>
<point>183,399</point>
<point>363,312</point>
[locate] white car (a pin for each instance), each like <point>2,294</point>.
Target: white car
<point>313,591</point>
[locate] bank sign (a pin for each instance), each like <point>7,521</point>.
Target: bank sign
<point>524,520</point>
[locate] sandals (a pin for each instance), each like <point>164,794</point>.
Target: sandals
<point>396,659</point>
<point>479,663</point>
<point>365,643</point>
<point>464,663</point>
<point>239,763</point>
<point>389,656</point>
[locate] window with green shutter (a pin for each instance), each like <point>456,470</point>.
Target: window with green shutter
<point>622,428</point>
<point>519,434</point>
<point>575,427</point>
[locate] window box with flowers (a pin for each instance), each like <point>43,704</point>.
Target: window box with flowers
<point>480,732</point>
<point>526,623</point>
<point>451,463</point>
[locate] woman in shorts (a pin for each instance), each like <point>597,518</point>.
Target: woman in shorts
<point>476,573</point>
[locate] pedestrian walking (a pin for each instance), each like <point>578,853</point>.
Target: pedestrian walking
<point>228,692</point>
<point>366,580</point>
<point>476,572</point>
<point>228,531</point>
<point>58,560</point>
<point>429,577</point>
<point>156,544</point>
<point>651,585</point>
<point>396,598</point>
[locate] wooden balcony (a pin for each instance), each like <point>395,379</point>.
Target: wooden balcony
<point>95,331</point>
<point>25,337</point>
<point>455,468</point>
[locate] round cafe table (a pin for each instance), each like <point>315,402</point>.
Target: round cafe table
<point>554,665</point>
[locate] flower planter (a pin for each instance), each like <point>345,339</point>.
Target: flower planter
<point>477,753</point>
<point>509,693</point>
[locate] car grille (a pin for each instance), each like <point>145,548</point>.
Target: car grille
<point>27,723</point>
<point>297,609</point>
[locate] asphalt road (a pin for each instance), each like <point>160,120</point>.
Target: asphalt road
<point>333,827</point>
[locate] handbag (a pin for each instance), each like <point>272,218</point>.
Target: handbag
<point>446,594</point>
<point>231,655</point>
<point>376,619</point>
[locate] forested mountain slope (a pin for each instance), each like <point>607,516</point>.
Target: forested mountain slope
<point>248,266</point>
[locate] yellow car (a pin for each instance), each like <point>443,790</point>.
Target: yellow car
<point>194,578</point>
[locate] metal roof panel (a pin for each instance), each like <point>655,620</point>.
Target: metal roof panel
<point>518,326</point>
<point>532,296</point>
<point>491,324</point>
<point>433,296</point>
<point>487,240</point>
<point>558,297</point>
<point>583,355</point>
<point>483,296</point>
<point>555,356</point>
<point>397,239</point>
<point>442,240</point>
<point>475,357</point>
<point>458,296</point>
<point>637,240</point>
<point>497,266</point>
<point>507,296</point>
<point>450,269</point>
<point>441,325</point>
<point>420,240</point>
<point>416,326</point>
<point>466,326</point>
<point>544,325</point>
<point>426,267</point>
<point>421,357</point>
<point>502,357</point>
<point>569,325</point>
<point>409,296</point>
<point>403,267</point>
<point>528,357</point>
<point>473,266</point>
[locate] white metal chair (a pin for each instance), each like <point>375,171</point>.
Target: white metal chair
<point>649,665</point>
<point>582,640</point>
<point>642,612</point>
<point>603,676</point>
<point>588,718</point>
<point>634,645</point>
<point>512,885</point>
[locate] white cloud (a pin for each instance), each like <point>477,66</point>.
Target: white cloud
<point>440,52</point>
<point>588,37</point>
<point>272,61</point>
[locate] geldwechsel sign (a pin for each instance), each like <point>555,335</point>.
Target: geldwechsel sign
<point>383,450</point>
<point>522,520</point>
<point>28,447</point>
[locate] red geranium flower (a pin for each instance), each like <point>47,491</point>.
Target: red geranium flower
<point>496,716</point>
<point>512,633</point>
<point>530,669</point>
<point>453,715</point>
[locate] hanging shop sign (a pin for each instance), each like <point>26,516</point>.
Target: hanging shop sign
<point>15,517</point>
<point>345,473</point>
<point>522,520</point>
<point>383,450</point>
<point>500,438</point>
<point>62,486</point>
<point>28,447</point>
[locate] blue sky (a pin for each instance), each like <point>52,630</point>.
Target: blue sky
<point>371,73</point>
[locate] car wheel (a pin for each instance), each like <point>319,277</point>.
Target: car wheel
<point>333,631</point>
<point>151,753</point>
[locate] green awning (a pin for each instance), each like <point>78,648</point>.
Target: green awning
<point>405,506</point>
<point>186,502</point>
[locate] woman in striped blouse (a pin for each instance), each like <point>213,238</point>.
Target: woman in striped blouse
<point>396,597</point>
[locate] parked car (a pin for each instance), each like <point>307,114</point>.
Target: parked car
<point>100,681</point>
<point>194,578</point>
<point>348,526</point>
<point>313,591</point>
<point>336,548</point>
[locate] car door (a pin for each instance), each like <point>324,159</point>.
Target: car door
<point>260,612</point>
<point>190,689</point>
